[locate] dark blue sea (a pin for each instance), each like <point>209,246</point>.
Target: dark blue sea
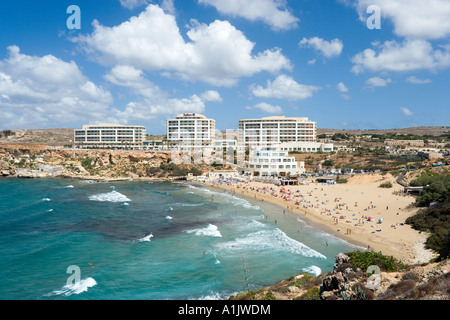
<point>82,240</point>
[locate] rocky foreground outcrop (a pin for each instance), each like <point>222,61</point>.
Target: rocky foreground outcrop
<point>429,281</point>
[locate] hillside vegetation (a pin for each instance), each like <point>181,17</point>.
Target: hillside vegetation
<point>435,217</point>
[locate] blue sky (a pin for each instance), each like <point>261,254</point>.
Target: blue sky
<point>142,62</point>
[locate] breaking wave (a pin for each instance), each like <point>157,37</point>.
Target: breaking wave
<point>211,231</point>
<point>76,288</point>
<point>146,238</point>
<point>270,241</point>
<point>112,196</point>
<point>314,270</point>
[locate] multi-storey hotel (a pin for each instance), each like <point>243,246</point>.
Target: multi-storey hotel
<point>272,162</point>
<point>191,129</point>
<point>109,136</point>
<point>275,130</point>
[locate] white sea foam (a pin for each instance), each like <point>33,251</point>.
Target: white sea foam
<point>76,288</point>
<point>51,210</point>
<point>214,296</point>
<point>146,238</point>
<point>324,236</point>
<point>217,260</point>
<point>211,231</point>
<point>273,240</point>
<point>69,187</point>
<point>168,218</point>
<point>126,204</point>
<point>112,196</point>
<point>46,199</point>
<point>314,270</point>
<point>186,204</point>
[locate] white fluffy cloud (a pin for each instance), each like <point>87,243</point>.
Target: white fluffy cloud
<point>151,101</point>
<point>410,55</point>
<point>406,112</point>
<point>40,91</point>
<point>217,53</point>
<point>415,80</point>
<point>413,18</point>
<point>284,87</point>
<point>267,108</point>
<point>342,87</point>
<point>378,82</point>
<point>211,96</point>
<point>329,49</point>
<point>131,4</point>
<point>272,12</point>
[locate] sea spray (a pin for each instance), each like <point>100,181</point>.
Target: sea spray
<point>76,288</point>
<point>211,231</point>
<point>112,196</point>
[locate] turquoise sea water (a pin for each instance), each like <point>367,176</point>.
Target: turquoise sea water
<point>142,240</point>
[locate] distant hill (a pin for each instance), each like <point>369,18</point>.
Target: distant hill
<point>432,131</point>
<point>50,137</point>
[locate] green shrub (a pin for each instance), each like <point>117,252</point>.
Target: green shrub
<point>303,280</point>
<point>437,187</point>
<point>311,294</point>
<point>269,296</point>
<point>366,259</point>
<point>436,221</point>
<point>87,163</point>
<point>386,184</point>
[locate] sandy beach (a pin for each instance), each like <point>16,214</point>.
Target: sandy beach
<point>359,212</point>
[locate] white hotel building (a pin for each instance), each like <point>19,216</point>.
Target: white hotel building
<point>276,130</point>
<point>109,136</point>
<point>272,162</point>
<point>191,130</point>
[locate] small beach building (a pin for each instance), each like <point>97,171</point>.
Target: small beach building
<point>272,162</point>
<point>307,147</point>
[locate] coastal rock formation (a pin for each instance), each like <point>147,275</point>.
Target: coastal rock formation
<point>39,161</point>
<point>428,281</point>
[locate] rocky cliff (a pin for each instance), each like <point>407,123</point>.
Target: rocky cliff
<point>348,281</point>
<point>39,161</point>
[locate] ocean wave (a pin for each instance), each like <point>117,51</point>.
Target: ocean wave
<point>324,236</point>
<point>236,201</point>
<point>211,231</point>
<point>186,205</point>
<point>245,204</point>
<point>46,199</point>
<point>314,270</point>
<point>76,288</point>
<point>214,296</point>
<point>112,196</point>
<point>146,238</point>
<point>270,241</point>
<point>68,187</point>
<point>168,218</point>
